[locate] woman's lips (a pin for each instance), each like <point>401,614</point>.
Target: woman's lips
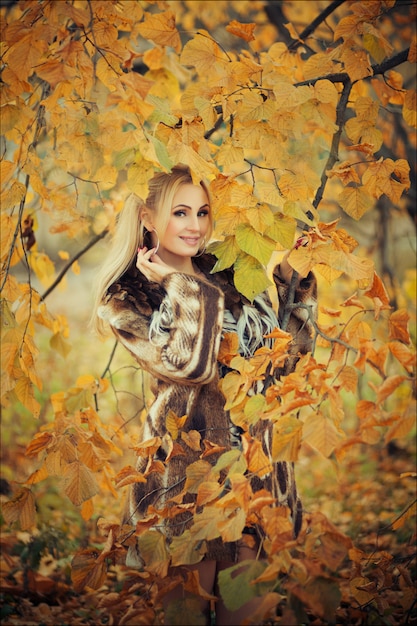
<point>191,241</point>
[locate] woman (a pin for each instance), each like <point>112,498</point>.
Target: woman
<point>157,294</point>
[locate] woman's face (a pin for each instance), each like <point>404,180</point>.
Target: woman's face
<point>188,224</point>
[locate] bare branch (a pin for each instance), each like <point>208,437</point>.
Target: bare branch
<point>71,261</point>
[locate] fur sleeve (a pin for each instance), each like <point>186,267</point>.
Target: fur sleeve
<point>175,337</point>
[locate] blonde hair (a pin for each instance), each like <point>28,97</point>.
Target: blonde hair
<point>130,232</point>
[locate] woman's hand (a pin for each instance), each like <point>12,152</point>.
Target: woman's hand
<point>151,265</point>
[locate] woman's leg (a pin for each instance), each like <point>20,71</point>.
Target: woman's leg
<point>206,574</point>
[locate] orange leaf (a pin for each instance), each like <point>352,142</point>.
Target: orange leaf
<point>39,443</point>
<point>257,461</point>
<point>208,491</point>
<point>79,482</point>
<point>161,29</point>
<point>379,295</point>
<point>403,354</point>
<point>244,31</point>
<point>388,387</point>
<point>192,439</point>
<point>400,428</point>
<point>286,438</point>
<point>127,476</point>
<point>398,326</point>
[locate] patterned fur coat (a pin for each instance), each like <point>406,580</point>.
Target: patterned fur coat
<point>173,330</point>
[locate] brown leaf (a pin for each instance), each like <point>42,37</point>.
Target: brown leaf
<point>88,570</point>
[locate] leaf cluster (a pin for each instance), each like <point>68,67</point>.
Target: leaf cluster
<point>303,122</point>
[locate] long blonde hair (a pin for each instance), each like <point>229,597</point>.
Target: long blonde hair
<point>130,230</point>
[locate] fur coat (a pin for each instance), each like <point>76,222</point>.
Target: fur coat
<point>173,330</point>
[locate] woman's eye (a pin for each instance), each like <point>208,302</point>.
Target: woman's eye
<point>179,213</point>
<point>203,213</point>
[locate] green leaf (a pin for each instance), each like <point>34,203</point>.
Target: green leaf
<point>236,589</point>
<point>283,230</point>
<point>255,244</point>
<point>254,408</point>
<point>226,251</point>
<point>250,277</point>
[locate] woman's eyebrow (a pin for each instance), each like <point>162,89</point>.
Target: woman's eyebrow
<point>185,206</point>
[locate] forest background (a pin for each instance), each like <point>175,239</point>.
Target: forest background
<point>302,116</point>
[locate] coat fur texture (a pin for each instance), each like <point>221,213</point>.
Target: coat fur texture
<point>173,330</point>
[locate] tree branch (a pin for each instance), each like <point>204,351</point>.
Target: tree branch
<point>314,24</point>
<point>71,261</point>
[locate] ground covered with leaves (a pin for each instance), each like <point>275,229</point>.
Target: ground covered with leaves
<point>371,501</point>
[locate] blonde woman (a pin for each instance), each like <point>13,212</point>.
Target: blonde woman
<point>158,296</point>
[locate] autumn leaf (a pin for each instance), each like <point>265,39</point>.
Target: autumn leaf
<point>286,438</point>
<point>202,52</point>
<point>88,570</point>
<point>355,201</point>
<point>322,433</point>
<point>79,482</point>
<point>21,509</point>
<point>127,476</point>
<point>398,326</point>
<point>244,31</point>
<point>153,550</point>
<point>236,585</point>
<point>250,277</point>
<point>254,244</point>
<point>161,29</point>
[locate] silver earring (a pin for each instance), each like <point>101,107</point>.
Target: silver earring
<point>203,249</point>
<point>157,240</point>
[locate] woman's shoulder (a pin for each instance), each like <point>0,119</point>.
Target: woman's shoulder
<point>135,291</point>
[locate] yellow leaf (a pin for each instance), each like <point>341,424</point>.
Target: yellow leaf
<point>250,277</point>
<point>321,433</point>
<point>13,195</point>
<point>203,53</point>
<point>174,423</point>
<point>357,64</point>
<point>197,473</point>
<point>25,393</point>
<point>296,185</point>
<point>161,29</point>
<point>410,108</point>
<point>153,550</point>
<point>226,251</point>
<point>192,439</point>
<point>286,438</point>
<point>43,267</point>
<point>79,482</point>
<point>185,551</point>
<point>254,244</point>
<point>355,201</point>
<point>208,491</point>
